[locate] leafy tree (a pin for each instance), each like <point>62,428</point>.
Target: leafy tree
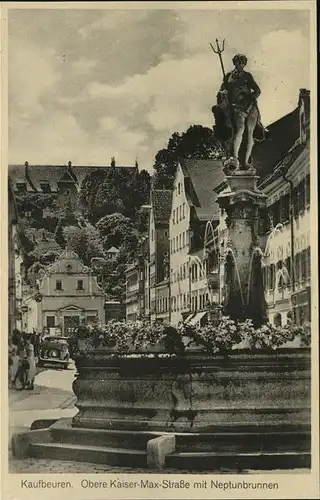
<point>84,241</point>
<point>114,191</point>
<point>89,188</point>
<point>67,219</point>
<point>118,231</point>
<point>197,142</point>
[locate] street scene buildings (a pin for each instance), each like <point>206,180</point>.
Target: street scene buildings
<point>196,231</point>
<point>159,309</point>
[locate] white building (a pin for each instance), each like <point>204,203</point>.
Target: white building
<point>68,296</point>
<point>193,209</point>
<point>285,166</point>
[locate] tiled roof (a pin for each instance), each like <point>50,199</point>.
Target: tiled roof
<point>113,250</point>
<point>204,175</point>
<point>281,137</point>
<point>45,246</point>
<point>161,200</point>
<point>55,173</point>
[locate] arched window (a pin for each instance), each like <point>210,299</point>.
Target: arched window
<point>277,320</point>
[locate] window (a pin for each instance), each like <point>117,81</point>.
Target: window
<point>50,321</point>
<point>184,210</point>
<point>304,264</point>
<point>179,188</point>
<point>152,235</point>
<point>45,187</point>
<point>308,262</point>
<point>298,266</point>
<point>80,285</point>
<point>277,320</point>
<point>183,238</point>
<point>177,243</point>
<point>180,212</point>
<point>166,234</point>
<point>276,212</point>
<point>21,187</point>
<point>180,241</point>
<point>174,216</point>
<point>307,180</point>
<point>58,285</point>
<point>301,201</point>
<point>284,208</point>
<point>296,201</point>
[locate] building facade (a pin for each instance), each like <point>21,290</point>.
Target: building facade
<point>287,244</point>
<point>193,212</point>
<point>159,258</point>
<point>68,296</point>
<point>14,284</point>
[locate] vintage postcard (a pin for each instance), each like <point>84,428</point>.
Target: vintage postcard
<point>159,256</point>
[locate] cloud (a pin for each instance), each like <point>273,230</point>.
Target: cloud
<point>114,20</point>
<point>83,65</point>
<point>32,73</point>
<point>132,78</point>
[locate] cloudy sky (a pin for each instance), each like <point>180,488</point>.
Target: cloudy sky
<point>85,85</point>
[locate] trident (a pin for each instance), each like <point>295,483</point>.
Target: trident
<point>219,51</point>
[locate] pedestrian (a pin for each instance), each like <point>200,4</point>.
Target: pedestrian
<point>14,362</point>
<point>32,370</point>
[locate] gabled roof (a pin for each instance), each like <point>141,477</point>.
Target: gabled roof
<point>202,176</point>
<point>44,246</point>
<point>161,200</point>
<point>282,135</point>
<point>57,173</point>
<point>113,250</point>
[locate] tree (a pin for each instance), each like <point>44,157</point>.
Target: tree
<point>84,241</point>
<point>197,142</point>
<point>114,191</point>
<point>118,231</point>
<point>88,191</point>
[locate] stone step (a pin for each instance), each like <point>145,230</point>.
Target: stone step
<point>103,437</point>
<point>94,454</point>
<point>219,441</point>
<point>237,462</point>
<point>245,441</point>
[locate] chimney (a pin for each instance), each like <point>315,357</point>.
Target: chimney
<point>69,164</point>
<point>113,162</point>
<point>304,112</point>
<point>28,178</point>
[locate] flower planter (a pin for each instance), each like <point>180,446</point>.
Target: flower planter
<point>193,393</point>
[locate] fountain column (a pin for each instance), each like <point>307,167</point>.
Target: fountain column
<point>242,201</point>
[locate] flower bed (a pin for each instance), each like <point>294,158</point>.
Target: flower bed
<point>143,337</point>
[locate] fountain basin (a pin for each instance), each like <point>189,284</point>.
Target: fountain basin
<point>194,393</point>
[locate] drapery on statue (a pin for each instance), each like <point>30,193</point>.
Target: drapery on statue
<point>237,117</point>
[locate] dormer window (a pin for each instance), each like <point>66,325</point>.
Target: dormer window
<point>45,187</point>
<point>21,187</point>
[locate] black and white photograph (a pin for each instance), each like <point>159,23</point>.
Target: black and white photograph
<point>162,258</point>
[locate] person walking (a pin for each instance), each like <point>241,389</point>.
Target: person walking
<point>14,361</point>
<point>32,370</point>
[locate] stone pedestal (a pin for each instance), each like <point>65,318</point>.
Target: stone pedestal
<point>241,201</point>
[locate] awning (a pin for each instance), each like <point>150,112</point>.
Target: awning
<point>198,317</point>
<point>188,318</point>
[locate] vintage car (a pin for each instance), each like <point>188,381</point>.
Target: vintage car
<point>54,350</point>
